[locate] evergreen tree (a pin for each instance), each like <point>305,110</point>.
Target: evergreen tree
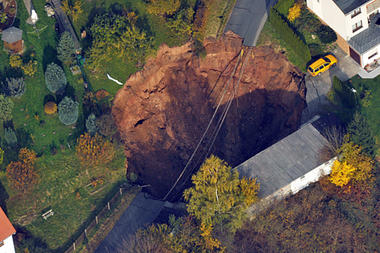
<point>66,49</point>
<point>6,107</point>
<point>91,124</point>
<point>55,78</point>
<point>360,134</point>
<point>16,86</point>
<point>10,136</point>
<point>68,111</point>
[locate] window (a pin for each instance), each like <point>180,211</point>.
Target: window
<point>357,26</point>
<point>372,55</point>
<point>356,12</point>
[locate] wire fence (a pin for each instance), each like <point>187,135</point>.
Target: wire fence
<point>105,212</point>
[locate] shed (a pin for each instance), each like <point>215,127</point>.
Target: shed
<point>12,38</point>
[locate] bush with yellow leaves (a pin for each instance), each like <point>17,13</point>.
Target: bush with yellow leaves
<point>294,12</point>
<point>50,108</point>
<point>93,150</point>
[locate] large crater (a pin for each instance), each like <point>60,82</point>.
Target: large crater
<point>163,110</point>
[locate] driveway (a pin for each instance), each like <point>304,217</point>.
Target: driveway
<point>318,87</point>
<point>248,18</point>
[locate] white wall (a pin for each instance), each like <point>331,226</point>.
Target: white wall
<point>8,246</point>
<point>370,52</point>
<point>292,188</point>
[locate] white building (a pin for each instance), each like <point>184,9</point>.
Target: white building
<point>356,23</point>
<point>289,165</point>
<point>6,234</point>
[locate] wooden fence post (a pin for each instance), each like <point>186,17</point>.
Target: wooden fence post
<point>121,191</point>
<point>96,219</point>
<point>108,205</point>
<point>85,232</point>
<point>74,245</point>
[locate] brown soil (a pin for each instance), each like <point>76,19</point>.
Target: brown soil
<point>163,110</point>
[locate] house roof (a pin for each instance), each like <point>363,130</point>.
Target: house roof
<point>11,35</point>
<point>349,5</point>
<point>368,38</point>
<point>6,228</point>
<point>286,160</point>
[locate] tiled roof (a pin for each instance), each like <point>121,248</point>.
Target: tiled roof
<point>11,35</point>
<point>368,38</point>
<point>349,5</point>
<point>286,160</point>
<point>6,228</point>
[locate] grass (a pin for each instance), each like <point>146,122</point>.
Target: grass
<point>220,11</point>
<point>118,68</point>
<point>63,182</point>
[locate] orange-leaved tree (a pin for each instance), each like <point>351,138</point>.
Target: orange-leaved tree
<point>93,150</point>
<point>352,167</point>
<point>22,174</point>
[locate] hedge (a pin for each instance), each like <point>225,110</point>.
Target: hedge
<point>290,37</point>
<point>282,6</point>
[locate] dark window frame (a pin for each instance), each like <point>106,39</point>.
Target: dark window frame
<point>356,12</point>
<point>357,27</point>
<point>373,55</point>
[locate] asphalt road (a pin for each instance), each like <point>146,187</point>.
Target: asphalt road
<point>248,18</point>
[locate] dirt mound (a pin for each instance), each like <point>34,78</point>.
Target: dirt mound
<point>163,110</point>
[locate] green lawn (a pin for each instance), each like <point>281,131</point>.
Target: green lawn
<point>63,184</point>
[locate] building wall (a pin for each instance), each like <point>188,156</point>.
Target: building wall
<point>292,188</point>
<point>8,246</point>
<point>365,56</point>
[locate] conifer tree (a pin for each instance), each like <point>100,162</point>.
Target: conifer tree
<point>66,49</point>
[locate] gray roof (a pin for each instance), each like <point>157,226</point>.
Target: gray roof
<point>286,160</point>
<point>12,34</point>
<point>368,38</point>
<point>349,5</point>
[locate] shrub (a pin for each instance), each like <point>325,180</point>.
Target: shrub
<point>1,156</point>
<point>283,6</point>
<point>106,125</point>
<point>30,68</point>
<point>16,86</point>
<point>68,111</point>
<point>294,12</point>
<point>343,93</point>
<point>163,7</point>
<point>91,124</point>
<point>50,107</point>
<point>10,136</point>
<point>326,34</point>
<point>290,37</point>
<point>66,48</point>
<point>93,150</point>
<point>55,78</point>
<point>6,107</point>
<point>15,61</point>
<point>22,174</point>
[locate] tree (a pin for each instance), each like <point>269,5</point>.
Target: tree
<point>66,48</point>
<point>55,78</point>
<point>352,166</point>
<point>91,124</point>
<point>50,108</point>
<point>93,150</point>
<point>30,68</point>
<point>10,136</point>
<point>21,173</point>
<point>6,108</point>
<point>163,7</point>
<point>68,111</point>
<point>1,156</point>
<point>15,61</point>
<point>72,8</point>
<point>294,12</point>
<point>181,22</point>
<point>106,125</point>
<point>219,197</point>
<point>360,134</point>
<point>16,86</point>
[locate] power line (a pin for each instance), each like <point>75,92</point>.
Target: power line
<point>207,128</point>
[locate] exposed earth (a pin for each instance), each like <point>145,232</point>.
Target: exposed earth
<point>163,110</point>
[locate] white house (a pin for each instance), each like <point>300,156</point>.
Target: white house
<point>356,23</point>
<point>6,234</point>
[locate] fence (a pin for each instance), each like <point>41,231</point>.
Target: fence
<point>92,226</point>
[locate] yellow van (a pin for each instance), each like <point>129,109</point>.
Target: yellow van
<point>322,64</point>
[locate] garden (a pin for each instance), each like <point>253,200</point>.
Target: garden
<point>60,151</point>
<point>292,28</point>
